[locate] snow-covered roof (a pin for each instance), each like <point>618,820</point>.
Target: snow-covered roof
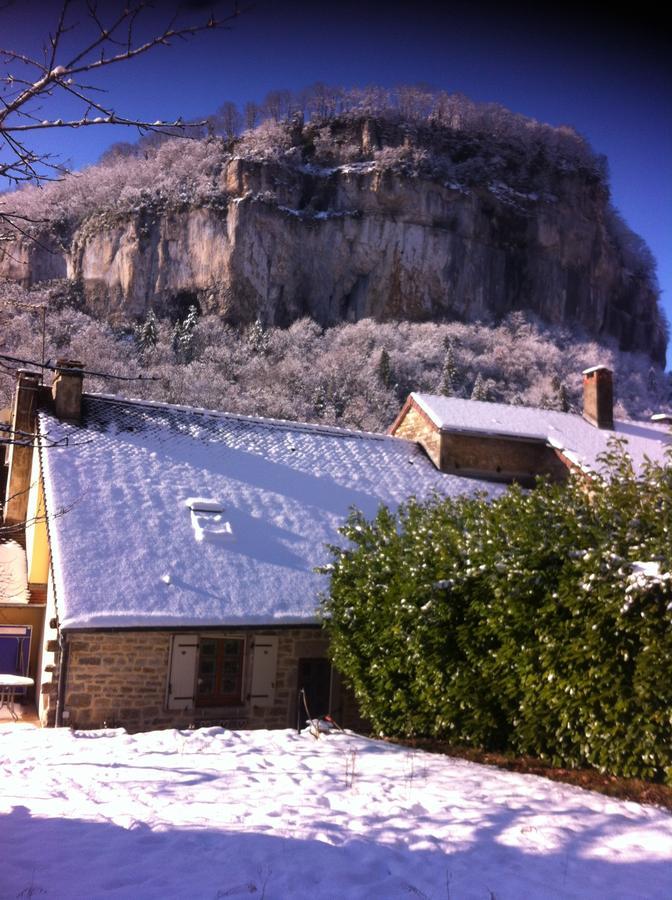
<point>576,438</point>
<point>180,517</point>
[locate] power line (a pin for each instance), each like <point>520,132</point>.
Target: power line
<point>56,368</point>
<point>29,307</point>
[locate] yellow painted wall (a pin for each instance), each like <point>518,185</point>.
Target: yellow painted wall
<point>37,543</point>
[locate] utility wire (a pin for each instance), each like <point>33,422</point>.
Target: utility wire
<point>54,368</point>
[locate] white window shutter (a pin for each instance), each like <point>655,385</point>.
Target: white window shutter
<point>264,667</point>
<point>182,680</point>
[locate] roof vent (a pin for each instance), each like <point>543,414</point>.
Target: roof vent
<point>598,396</point>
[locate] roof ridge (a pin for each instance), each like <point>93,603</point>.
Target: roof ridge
<point>288,424</point>
<point>522,406</point>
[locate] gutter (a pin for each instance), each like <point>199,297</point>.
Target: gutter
<point>62,676</point>
<point>521,437</point>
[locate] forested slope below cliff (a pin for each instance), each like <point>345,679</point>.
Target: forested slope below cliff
<point>355,375</point>
<point>462,213</point>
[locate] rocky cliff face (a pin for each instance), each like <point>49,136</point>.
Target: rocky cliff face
<point>288,239</point>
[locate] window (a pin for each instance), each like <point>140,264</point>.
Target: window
<point>207,520</point>
<point>208,670</point>
<point>219,680</point>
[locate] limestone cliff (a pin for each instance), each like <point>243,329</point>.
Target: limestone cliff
<point>387,235</point>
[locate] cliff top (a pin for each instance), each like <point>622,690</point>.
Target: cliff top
<point>454,141</point>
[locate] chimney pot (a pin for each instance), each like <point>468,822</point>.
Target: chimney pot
<point>598,397</point>
<point>66,389</point>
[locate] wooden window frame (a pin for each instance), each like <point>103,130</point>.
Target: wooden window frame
<point>219,698</point>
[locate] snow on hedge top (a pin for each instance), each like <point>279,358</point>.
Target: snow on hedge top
<point>576,438</point>
<point>182,517</point>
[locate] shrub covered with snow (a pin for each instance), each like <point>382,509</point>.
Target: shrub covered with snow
<point>521,624</point>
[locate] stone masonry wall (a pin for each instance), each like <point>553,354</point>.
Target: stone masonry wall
<point>500,459</point>
<point>120,679</point>
<point>481,456</point>
<point>416,426</point>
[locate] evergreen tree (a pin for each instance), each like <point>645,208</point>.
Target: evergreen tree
<point>563,399</point>
<point>147,334</point>
<point>652,381</point>
<point>183,335</point>
<point>448,378</point>
<point>384,369</point>
<point>319,401</point>
<point>561,396</point>
<point>517,323</point>
<point>480,390</point>
<point>257,338</point>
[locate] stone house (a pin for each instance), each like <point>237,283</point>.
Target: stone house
<point>169,554</point>
<point>503,443</point>
<point>163,557</point>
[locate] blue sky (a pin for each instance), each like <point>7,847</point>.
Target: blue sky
<point>609,77</point>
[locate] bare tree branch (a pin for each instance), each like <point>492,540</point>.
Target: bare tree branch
<point>112,43</point>
<point>20,527</point>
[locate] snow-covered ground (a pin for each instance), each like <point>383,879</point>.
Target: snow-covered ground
<point>272,814</point>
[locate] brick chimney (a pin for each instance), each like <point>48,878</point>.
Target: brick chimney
<point>20,458</point>
<point>598,397</point>
<point>66,389</point>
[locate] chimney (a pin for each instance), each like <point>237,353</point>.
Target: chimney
<point>66,389</point>
<point>598,397</point>
<point>20,458</point>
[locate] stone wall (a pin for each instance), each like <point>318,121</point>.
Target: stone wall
<point>495,458</point>
<point>499,458</point>
<point>120,679</point>
<point>415,425</point>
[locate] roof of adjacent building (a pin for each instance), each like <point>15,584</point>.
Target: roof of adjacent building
<point>169,516</point>
<point>578,440</point>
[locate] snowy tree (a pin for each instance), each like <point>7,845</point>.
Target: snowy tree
<point>258,338</point>
<point>447,381</point>
<point>517,323</point>
<point>227,120</point>
<point>251,114</point>
<point>319,401</point>
<point>480,390</point>
<point>310,373</point>
<point>147,334</point>
<point>183,335</point>
<point>277,105</point>
<point>384,368</point>
<point>561,395</point>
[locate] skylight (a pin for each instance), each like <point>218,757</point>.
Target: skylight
<point>207,519</point>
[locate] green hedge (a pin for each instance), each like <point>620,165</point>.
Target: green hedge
<point>517,624</point>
